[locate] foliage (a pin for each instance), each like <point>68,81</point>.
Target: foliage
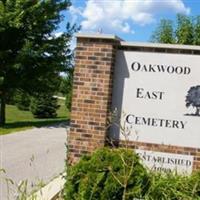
<point>44,106</point>
<point>111,174</point>
<point>68,100</point>
<point>66,82</point>
<point>18,120</point>
<point>197,31</point>
<point>108,174</point>
<point>66,88</point>
<point>173,186</point>
<point>186,30</point>
<point>10,98</point>
<point>22,100</point>
<point>69,86</point>
<point>193,98</point>
<point>164,32</point>
<point>32,57</point>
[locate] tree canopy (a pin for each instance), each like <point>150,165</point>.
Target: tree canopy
<point>32,57</point>
<point>164,32</point>
<point>186,30</point>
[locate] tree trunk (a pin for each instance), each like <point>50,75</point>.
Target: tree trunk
<point>2,110</point>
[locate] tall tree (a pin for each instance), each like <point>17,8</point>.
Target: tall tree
<point>31,57</point>
<point>197,31</point>
<point>186,30</point>
<point>164,32</point>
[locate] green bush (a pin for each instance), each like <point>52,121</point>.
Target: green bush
<point>171,186</point>
<point>22,100</point>
<point>109,174</point>
<point>116,174</point>
<point>44,106</point>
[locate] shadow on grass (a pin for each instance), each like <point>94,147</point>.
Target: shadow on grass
<point>36,123</point>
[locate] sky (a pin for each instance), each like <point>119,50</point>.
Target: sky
<point>131,20</point>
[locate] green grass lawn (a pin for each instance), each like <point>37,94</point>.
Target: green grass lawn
<point>17,120</point>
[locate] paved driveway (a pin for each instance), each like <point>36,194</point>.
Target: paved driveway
<point>33,155</point>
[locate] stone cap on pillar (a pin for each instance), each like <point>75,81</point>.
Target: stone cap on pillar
<point>98,36</point>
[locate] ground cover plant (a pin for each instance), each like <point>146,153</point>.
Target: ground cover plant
<point>117,174</point>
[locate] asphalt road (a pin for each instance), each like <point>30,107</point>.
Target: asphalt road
<point>36,155</point>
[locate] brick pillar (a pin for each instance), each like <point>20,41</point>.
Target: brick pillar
<point>92,91</point>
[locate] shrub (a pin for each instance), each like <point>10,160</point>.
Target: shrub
<point>22,100</point>
<point>109,174</point>
<point>44,106</point>
<point>173,186</point>
<point>116,174</point>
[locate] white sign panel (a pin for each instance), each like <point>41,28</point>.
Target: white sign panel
<point>166,162</point>
<point>159,94</point>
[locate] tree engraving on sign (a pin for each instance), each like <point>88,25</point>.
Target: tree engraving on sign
<point>193,99</point>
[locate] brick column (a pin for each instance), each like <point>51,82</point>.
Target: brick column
<point>92,91</point>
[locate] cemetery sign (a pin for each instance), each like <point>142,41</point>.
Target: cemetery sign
<point>155,89</point>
